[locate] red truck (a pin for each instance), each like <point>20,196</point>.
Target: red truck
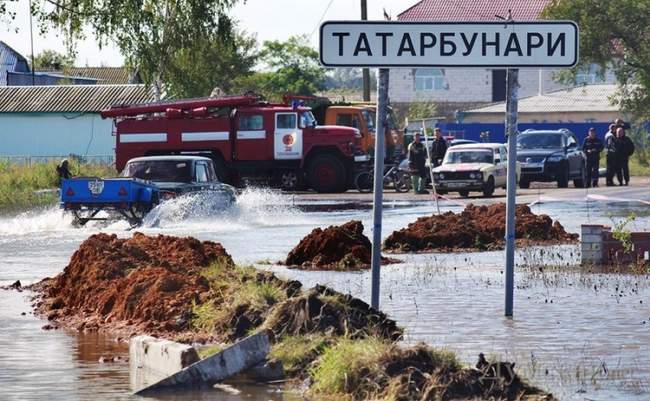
<point>246,137</point>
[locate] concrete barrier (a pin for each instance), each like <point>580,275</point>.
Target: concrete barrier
<point>238,357</point>
<point>162,357</point>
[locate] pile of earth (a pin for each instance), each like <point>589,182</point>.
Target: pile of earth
<point>189,290</point>
<point>140,284</point>
<point>477,228</point>
<point>341,247</point>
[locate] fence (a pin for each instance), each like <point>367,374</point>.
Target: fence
<point>103,160</point>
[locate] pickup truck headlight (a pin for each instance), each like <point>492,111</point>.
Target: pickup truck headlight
<point>441,176</point>
<point>555,158</point>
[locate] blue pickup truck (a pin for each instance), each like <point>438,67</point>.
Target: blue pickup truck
<point>145,182</point>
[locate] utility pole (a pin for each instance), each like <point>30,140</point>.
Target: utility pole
<point>512,86</point>
<point>31,36</point>
<point>378,182</point>
<point>365,71</point>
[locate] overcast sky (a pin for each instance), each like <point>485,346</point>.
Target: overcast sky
<point>270,19</point>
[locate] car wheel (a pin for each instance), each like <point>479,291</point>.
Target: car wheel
<point>364,182</point>
<point>488,187</point>
<point>563,180</point>
<point>580,182</point>
<point>464,193</point>
<point>326,174</point>
<point>524,184</point>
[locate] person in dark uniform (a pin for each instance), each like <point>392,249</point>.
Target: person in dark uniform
<point>610,155</point>
<point>624,149</point>
<point>438,148</point>
<point>592,147</point>
<point>63,170</point>
<point>417,156</point>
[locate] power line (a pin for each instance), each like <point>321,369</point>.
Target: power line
<point>321,19</point>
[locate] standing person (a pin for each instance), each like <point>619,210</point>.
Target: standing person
<point>63,170</point>
<point>610,155</point>
<point>438,148</point>
<point>624,149</point>
<point>417,156</point>
<point>592,146</point>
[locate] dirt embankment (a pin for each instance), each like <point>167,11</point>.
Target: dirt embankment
<point>341,247</point>
<point>477,228</point>
<point>185,289</point>
<point>140,284</point>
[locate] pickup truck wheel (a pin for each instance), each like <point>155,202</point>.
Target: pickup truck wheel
<point>289,180</point>
<point>326,174</point>
<point>488,187</point>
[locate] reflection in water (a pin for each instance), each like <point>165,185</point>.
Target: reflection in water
<point>579,334</point>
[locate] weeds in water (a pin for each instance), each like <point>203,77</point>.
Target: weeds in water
<point>621,233</point>
<point>296,352</point>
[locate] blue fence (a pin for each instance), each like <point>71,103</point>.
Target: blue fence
<point>496,132</point>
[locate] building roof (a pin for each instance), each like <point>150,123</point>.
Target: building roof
<point>591,98</point>
<point>10,60</point>
<point>70,98</point>
<point>473,10</point>
<point>15,78</point>
<point>105,75</point>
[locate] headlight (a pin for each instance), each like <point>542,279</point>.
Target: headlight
<point>472,175</point>
<point>554,158</point>
<point>441,176</point>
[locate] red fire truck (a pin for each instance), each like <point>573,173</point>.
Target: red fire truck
<point>246,138</point>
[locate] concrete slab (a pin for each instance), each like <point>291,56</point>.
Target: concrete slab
<point>238,357</point>
<point>160,356</point>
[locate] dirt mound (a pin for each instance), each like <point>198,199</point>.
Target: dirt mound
<point>334,248</point>
<point>421,373</point>
<point>323,310</point>
<point>477,228</point>
<point>146,283</point>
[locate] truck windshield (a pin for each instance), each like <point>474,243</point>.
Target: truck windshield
<point>370,118</point>
<point>159,170</point>
<point>540,141</point>
<point>469,156</point>
<point>307,119</point>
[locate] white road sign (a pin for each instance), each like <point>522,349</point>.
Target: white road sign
<point>448,44</point>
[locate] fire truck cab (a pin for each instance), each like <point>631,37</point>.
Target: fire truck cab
<point>246,138</point>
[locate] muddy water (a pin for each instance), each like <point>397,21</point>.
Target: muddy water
<point>580,335</point>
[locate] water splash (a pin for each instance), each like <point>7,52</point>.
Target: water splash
<point>40,220</point>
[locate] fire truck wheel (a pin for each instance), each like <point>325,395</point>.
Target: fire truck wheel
<point>326,174</point>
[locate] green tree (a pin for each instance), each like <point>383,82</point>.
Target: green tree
<point>290,66</point>
<point>211,64</point>
<point>614,34</point>
<point>53,59</point>
<point>149,33</point>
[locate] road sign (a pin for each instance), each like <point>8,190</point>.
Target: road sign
<point>448,44</point>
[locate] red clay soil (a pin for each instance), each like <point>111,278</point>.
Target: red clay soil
<point>334,248</point>
<point>477,228</point>
<point>135,285</point>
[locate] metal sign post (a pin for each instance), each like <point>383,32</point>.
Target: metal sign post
<point>511,129</point>
<point>508,44</point>
<point>382,107</point>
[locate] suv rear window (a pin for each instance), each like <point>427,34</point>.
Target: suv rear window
<point>159,170</point>
<point>540,141</point>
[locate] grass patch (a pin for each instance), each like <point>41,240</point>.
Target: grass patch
<point>19,183</point>
<point>296,352</point>
<point>638,167</point>
<point>209,350</point>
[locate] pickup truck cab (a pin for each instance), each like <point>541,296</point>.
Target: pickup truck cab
<point>479,167</point>
<point>145,182</point>
<point>177,175</point>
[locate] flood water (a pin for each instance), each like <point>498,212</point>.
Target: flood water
<point>581,335</point>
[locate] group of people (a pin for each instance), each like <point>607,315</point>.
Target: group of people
<point>417,156</point>
<point>618,148</point>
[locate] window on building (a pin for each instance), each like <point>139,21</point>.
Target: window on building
<point>251,122</point>
<point>428,79</point>
<point>590,75</point>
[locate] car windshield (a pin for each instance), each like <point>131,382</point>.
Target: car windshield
<point>369,116</point>
<point>540,141</point>
<point>469,156</point>
<point>159,170</point>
